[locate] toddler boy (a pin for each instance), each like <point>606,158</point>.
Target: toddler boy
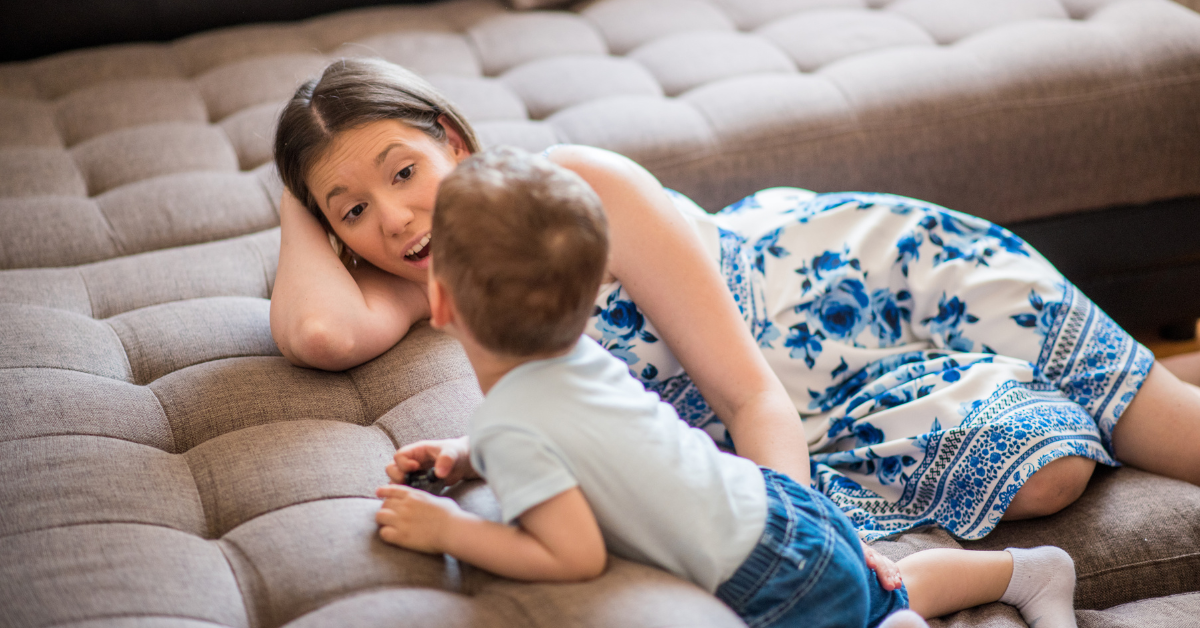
<point>584,460</point>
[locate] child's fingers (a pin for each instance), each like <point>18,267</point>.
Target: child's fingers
<point>446,461</point>
<point>392,491</point>
<point>385,517</point>
<point>409,460</point>
<point>390,534</point>
<point>394,473</point>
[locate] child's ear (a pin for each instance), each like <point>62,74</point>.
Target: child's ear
<point>441,308</point>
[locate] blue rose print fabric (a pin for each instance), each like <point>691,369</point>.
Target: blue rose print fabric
<point>935,359</point>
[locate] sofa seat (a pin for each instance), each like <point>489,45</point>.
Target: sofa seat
<point>163,465</point>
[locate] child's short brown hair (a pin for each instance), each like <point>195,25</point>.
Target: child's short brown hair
<point>522,245</point>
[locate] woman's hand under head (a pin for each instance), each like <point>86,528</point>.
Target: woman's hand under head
<point>377,184</point>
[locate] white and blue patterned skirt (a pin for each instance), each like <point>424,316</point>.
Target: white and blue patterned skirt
<point>935,359</point>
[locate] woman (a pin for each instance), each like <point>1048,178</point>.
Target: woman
<point>945,373</point>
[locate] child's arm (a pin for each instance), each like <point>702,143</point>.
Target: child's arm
<point>557,540</point>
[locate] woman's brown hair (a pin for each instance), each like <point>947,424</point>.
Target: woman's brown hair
<point>349,94</point>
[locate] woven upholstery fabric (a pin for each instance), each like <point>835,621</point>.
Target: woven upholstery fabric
<point>163,465</point>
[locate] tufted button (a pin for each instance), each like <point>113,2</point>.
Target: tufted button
<point>818,38</point>
<point>949,21</point>
<point>687,60</point>
<point>360,25</point>
<point>82,233</point>
<point>531,135</point>
<point>39,172</point>
<point>230,88</point>
<point>550,85</point>
<point>331,547</point>
<point>423,53</point>
<point>161,572</point>
<point>136,153</point>
<point>642,127</point>
<point>751,14</point>
<point>506,41</point>
<point>93,480</point>
<point>28,123</point>
<point>751,110</point>
<point>60,74</point>
<point>627,24</point>
<point>104,108</point>
<point>186,208</point>
<point>480,99</point>
<point>159,339</point>
<point>202,52</point>
<point>46,337</point>
<point>251,132</point>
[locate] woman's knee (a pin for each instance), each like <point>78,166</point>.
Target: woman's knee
<point>1052,488</point>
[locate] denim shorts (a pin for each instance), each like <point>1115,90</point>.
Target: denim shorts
<point>808,568</point>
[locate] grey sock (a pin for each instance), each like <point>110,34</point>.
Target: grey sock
<point>1042,587</point>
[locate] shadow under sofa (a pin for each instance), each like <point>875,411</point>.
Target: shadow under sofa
<point>162,464</point>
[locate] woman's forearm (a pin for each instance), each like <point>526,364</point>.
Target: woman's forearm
<point>767,430</point>
<point>321,315</point>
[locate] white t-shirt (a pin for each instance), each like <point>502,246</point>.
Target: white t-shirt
<point>662,492</point>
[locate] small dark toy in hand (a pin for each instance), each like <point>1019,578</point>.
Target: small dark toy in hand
<point>425,480</point>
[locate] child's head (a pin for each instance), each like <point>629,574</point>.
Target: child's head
<point>522,248</point>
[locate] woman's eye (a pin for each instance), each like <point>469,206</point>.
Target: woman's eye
<point>355,212</point>
<point>405,174</point>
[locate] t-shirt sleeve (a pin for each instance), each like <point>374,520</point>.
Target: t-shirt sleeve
<point>522,467</point>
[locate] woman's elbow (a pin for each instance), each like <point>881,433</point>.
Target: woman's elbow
<point>315,343</point>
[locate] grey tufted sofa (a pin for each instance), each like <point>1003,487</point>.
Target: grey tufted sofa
<point>162,465</point>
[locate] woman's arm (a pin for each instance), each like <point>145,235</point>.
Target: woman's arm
<point>662,264</point>
<point>558,540</point>
<point>324,316</point>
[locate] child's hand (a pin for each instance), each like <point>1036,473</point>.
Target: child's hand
<point>887,571</point>
<point>414,519</point>
<point>450,459</point>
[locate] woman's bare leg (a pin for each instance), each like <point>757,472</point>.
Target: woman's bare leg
<point>1054,487</point>
<point>1185,366</point>
<point>1160,430</point>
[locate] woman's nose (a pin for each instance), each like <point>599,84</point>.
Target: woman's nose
<point>394,219</point>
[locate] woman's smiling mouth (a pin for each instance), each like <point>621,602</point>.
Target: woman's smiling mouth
<point>419,251</point>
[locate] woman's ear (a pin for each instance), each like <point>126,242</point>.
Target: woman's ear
<point>454,137</point>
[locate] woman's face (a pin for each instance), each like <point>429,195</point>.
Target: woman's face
<point>377,184</point>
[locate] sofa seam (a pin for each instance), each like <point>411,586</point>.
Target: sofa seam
<point>252,620</point>
<point>1141,564</point>
<point>124,351</point>
<point>512,599</point>
<point>170,426</point>
<point>286,506</point>
<point>75,524</point>
<point>91,618</point>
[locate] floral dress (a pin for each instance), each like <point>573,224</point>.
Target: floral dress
<point>935,359</point>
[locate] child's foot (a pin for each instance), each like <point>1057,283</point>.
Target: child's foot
<point>1042,587</point>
